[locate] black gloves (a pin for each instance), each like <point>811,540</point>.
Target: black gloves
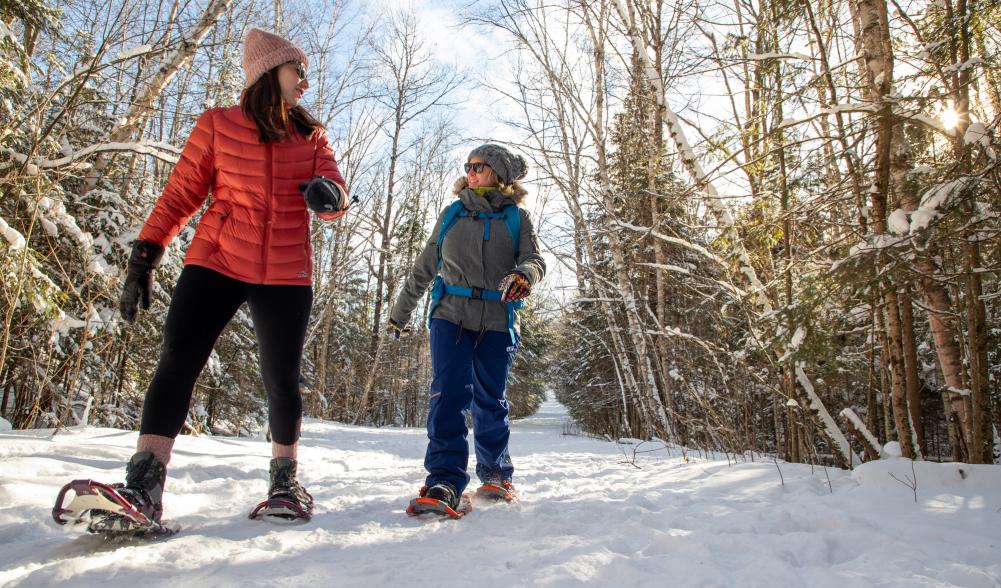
<point>138,287</point>
<point>322,195</point>
<point>397,330</point>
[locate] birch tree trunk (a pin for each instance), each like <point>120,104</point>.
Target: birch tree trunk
<point>725,221</point>
<point>142,107</point>
<point>778,146</point>
<point>654,169</point>
<point>911,377</point>
<point>981,431</point>
<point>937,301</point>
<point>637,335</point>
<point>874,40</point>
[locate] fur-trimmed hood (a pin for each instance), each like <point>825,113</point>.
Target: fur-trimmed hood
<point>515,191</point>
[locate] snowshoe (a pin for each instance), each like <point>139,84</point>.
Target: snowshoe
<point>440,499</point>
<point>130,509</point>
<point>497,490</point>
<point>287,499</point>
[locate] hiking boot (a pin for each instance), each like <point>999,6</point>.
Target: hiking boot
<point>143,488</point>
<point>440,499</point>
<point>443,493</point>
<point>284,485</point>
<point>497,489</point>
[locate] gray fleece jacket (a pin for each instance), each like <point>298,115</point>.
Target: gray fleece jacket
<point>468,260</point>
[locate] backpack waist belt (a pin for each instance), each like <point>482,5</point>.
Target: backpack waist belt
<point>440,289</point>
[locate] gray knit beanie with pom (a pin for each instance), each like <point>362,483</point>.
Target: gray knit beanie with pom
<point>508,166</point>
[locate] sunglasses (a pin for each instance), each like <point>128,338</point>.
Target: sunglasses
<point>477,167</point>
<point>300,70</point>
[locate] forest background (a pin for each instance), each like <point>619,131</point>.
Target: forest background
<point>772,225</point>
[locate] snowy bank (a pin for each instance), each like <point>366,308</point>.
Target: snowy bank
<point>587,517</point>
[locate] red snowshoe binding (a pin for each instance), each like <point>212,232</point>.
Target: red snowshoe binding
<point>497,490</point>
<point>130,509</point>
<point>287,499</point>
<point>440,499</point>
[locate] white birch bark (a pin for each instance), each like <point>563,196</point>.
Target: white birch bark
<point>142,108</point>
<point>877,55</point>
<point>637,334</point>
<point>726,223</point>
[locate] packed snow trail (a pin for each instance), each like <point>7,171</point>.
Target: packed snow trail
<point>586,517</point>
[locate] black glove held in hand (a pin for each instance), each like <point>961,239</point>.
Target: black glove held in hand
<point>322,195</point>
<point>397,330</point>
<point>139,279</point>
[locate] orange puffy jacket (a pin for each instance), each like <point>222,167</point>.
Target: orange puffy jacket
<point>256,229</point>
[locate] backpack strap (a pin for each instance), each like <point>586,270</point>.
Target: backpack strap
<point>451,215</point>
<point>511,215</point>
<point>512,218</point>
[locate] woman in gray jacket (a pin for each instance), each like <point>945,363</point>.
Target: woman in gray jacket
<point>483,260</point>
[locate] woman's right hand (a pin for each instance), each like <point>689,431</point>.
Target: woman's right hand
<point>138,288</point>
<point>396,329</point>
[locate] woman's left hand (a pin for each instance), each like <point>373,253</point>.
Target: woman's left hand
<point>514,287</point>
<point>324,196</point>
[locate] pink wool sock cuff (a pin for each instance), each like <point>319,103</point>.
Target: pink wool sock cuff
<point>290,451</point>
<point>158,445</point>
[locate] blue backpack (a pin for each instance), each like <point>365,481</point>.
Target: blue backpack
<point>512,220</point>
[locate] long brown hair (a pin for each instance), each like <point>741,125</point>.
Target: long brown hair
<point>262,103</point>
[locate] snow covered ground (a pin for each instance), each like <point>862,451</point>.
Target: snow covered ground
<point>586,518</point>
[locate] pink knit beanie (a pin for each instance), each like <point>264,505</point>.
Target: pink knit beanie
<point>263,50</point>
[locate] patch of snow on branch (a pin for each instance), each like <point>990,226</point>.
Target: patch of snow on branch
<point>135,51</point>
<point>958,67</point>
<point>832,428</point>
<point>898,223</point>
<point>976,134</point>
<point>797,338</point>
<point>667,267</point>
<point>794,343</point>
<point>13,237</point>
<point>674,240</point>
<point>852,416</point>
<point>162,151</point>
<point>936,198</point>
<point>763,56</point>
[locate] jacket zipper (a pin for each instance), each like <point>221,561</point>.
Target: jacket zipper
<point>269,189</point>
<point>483,276</point>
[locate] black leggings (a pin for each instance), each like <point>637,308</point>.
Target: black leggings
<point>203,303</point>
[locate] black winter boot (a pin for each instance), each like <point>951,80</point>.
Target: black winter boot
<point>440,499</point>
<point>497,489</point>
<point>444,493</point>
<point>285,486</point>
<point>144,480</point>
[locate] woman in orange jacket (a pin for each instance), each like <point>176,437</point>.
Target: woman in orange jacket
<point>267,164</point>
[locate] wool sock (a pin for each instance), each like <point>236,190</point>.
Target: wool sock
<point>158,445</point>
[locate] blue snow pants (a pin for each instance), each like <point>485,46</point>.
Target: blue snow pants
<point>467,374</point>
